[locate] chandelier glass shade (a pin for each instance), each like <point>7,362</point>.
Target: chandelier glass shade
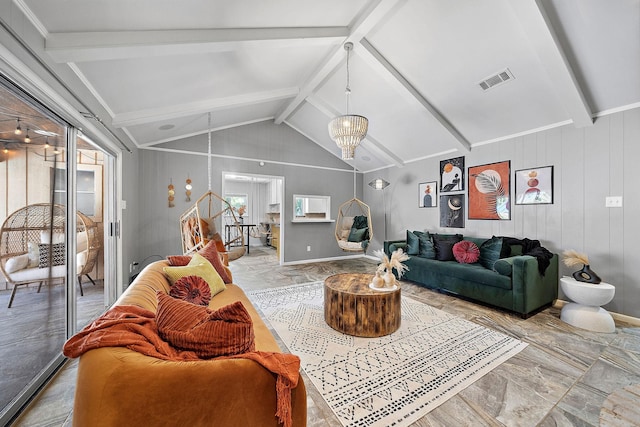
<point>348,130</point>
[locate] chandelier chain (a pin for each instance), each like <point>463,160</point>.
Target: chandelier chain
<point>348,88</point>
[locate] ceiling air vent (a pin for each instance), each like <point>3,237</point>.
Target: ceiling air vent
<point>496,79</point>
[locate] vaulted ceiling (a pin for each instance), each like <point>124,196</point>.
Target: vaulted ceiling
<point>158,67</point>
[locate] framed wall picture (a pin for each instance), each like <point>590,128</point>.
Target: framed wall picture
<point>534,186</point>
<point>452,175</point>
<point>490,191</point>
<point>452,211</point>
<point>428,194</point>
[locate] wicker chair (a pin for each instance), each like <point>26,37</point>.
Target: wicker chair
<point>197,230</point>
<point>33,246</point>
<point>347,212</point>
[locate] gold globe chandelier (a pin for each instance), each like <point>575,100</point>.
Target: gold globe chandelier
<point>350,129</point>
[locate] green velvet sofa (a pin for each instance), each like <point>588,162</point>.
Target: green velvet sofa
<point>514,283</point>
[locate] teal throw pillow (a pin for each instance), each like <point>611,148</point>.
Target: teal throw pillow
<point>427,250</point>
<point>504,266</point>
<point>490,252</point>
<point>413,244</point>
<point>357,234</point>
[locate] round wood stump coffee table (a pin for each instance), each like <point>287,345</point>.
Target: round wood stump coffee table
<point>353,308</point>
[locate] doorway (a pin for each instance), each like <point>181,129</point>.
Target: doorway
<point>260,199</point>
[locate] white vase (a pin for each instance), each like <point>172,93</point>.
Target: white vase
<point>389,279</point>
<point>377,281</point>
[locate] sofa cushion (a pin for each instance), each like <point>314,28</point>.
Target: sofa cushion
<point>360,221</point>
<point>443,245</point>
<point>444,250</point>
<point>16,263</point>
<point>208,333</point>
<point>34,254</point>
<point>357,234</point>
<point>504,266</point>
<point>57,254</point>
<point>466,252</point>
<point>490,252</point>
<point>193,289</point>
<point>427,250</point>
<point>452,275</point>
<point>413,244</point>
<point>210,252</point>
<point>178,260</point>
<point>198,266</point>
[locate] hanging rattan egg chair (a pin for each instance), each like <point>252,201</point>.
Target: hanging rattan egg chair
<point>354,228</point>
<point>33,246</point>
<point>200,224</point>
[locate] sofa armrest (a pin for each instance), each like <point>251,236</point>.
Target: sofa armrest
<point>398,243</point>
<point>120,387</point>
<point>531,290</point>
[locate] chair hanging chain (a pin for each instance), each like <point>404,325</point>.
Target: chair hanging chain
<point>209,154</point>
<point>354,181</point>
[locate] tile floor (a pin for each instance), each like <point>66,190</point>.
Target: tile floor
<point>561,379</point>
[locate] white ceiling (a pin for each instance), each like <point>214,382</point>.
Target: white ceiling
<point>158,67</point>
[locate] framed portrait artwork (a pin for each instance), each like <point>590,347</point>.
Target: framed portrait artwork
<point>428,194</point>
<point>490,191</point>
<point>534,186</point>
<point>452,211</point>
<point>452,175</point>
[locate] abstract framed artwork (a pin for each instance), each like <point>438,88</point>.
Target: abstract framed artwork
<point>534,186</point>
<point>452,211</point>
<point>428,194</point>
<point>490,191</point>
<point>452,175</point>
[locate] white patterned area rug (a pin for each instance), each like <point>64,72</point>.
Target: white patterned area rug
<point>388,381</point>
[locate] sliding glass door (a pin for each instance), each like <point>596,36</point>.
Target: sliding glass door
<point>52,242</point>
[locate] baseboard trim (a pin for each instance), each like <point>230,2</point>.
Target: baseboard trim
<point>616,316</point>
<point>337,258</point>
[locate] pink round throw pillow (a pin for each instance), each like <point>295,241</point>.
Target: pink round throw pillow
<point>466,252</point>
<point>193,289</point>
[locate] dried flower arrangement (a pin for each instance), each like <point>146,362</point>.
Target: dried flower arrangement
<point>385,268</point>
<point>572,258</point>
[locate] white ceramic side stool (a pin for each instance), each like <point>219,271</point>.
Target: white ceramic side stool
<point>585,312</point>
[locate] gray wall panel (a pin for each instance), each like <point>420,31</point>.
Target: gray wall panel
<point>159,229</point>
<point>628,284</point>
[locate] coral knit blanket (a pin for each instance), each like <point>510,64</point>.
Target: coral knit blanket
<point>135,328</point>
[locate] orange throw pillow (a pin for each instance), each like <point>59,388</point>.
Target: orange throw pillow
<point>208,333</point>
<point>178,260</point>
<point>210,252</point>
<point>193,289</point>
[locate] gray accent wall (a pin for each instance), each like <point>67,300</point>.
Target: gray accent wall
<point>589,164</point>
<point>285,153</point>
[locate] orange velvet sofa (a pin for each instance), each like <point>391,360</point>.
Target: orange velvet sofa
<point>120,387</point>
